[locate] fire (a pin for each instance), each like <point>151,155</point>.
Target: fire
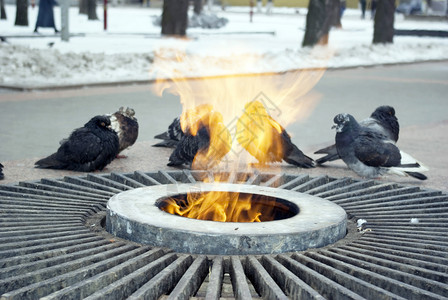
<point>240,112</point>
<point>224,207</point>
<point>260,134</point>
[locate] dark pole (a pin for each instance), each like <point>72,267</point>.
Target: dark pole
<point>105,14</point>
<point>251,12</point>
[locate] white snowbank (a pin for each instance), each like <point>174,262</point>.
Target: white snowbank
<point>126,51</point>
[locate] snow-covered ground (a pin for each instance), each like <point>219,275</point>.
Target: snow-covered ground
<point>131,47</point>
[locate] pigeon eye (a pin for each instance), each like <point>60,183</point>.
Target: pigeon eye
<point>103,124</point>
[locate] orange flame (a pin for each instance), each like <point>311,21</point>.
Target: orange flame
<point>238,110</point>
<point>259,134</point>
<point>226,207</point>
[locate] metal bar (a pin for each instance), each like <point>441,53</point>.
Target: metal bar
<point>426,261</point>
<point>254,178</point>
<point>145,179</point>
<point>398,282</point>
<point>127,285</point>
<point>338,272</point>
<point>75,188</point>
<point>107,277</point>
<point>71,231</point>
<point>59,190</point>
<point>167,178</point>
<point>262,281</point>
<point>35,191</point>
<point>54,202</point>
<point>12,244</point>
<point>293,286</point>
<point>407,265</point>
<point>384,200</point>
<point>164,281</point>
<point>295,182</point>
<point>189,177</point>
<point>91,184</point>
<point>191,280</point>
<point>409,248</point>
<point>41,229</point>
<point>312,183</point>
<point>46,247</point>
<point>326,287</point>
<point>275,181</point>
<point>103,180</point>
<point>32,257</point>
<point>338,185</point>
<point>239,282</point>
<point>56,259</point>
<point>215,279</point>
<point>360,194</point>
<point>46,281</point>
<point>126,180</point>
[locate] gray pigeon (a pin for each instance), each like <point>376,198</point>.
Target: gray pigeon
<point>124,123</point>
<point>370,153</point>
<point>382,120</point>
<point>87,149</point>
<point>2,176</point>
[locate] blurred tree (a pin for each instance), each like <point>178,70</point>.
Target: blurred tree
<point>3,12</point>
<point>383,31</point>
<point>83,7</point>
<point>21,13</point>
<point>91,10</point>
<point>322,15</point>
<point>175,17</point>
<point>197,6</point>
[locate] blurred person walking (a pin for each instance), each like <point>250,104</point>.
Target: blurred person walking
<point>45,16</point>
<point>363,8</point>
<point>372,9</point>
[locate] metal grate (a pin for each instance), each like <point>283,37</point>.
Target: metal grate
<point>52,245</point>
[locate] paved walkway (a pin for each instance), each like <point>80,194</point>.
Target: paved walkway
<point>32,123</point>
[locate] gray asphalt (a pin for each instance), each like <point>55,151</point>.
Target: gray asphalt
<point>33,123</point>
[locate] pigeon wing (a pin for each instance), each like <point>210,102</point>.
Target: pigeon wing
<point>375,150</point>
<point>81,151</point>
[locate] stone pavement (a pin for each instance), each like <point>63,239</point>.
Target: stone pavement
<point>424,142</point>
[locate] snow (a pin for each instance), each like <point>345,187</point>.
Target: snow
<point>130,46</point>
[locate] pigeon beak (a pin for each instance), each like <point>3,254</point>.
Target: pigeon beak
<point>338,127</point>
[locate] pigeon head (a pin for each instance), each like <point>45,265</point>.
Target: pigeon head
<point>342,122</point>
<point>99,122</point>
<point>383,111</point>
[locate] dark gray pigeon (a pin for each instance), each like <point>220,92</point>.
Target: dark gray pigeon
<point>382,120</point>
<point>87,149</point>
<point>172,136</point>
<point>206,141</point>
<point>372,154</point>
<point>124,123</point>
<point>188,146</point>
<point>2,176</point>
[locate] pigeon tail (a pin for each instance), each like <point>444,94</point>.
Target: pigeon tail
<point>327,158</point>
<point>50,162</point>
<point>297,158</point>
<point>327,150</point>
<point>408,163</point>
<point>163,136</point>
<point>167,144</point>
<point>417,175</point>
